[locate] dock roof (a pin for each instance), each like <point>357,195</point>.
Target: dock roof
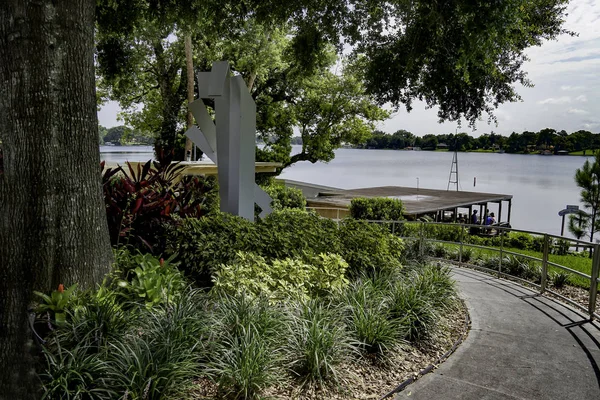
<point>416,201</point>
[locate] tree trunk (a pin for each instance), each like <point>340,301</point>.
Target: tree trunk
<point>53,226</point>
<point>189,64</point>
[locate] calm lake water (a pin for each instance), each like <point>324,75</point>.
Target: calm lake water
<point>541,185</point>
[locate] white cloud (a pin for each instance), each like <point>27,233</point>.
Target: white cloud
<point>569,88</point>
<point>577,111</point>
<point>582,98</point>
<point>556,100</point>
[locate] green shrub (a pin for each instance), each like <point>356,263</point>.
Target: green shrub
<point>282,279</point>
<point>448,233</point>
<point>368,247</point>
<point>285,197</point>
<point>519,240</point>
<point>202,245</point>
<point>296,234</point>
<point>377,209</point>
<point>317,342</point>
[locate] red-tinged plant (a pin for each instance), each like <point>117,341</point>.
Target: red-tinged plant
<point>141,199</point>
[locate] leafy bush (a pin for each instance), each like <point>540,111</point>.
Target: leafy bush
<point>317,342</point>
<point>519,240</point>
<point>297,234</point>
<point>285,197</point>
<point>282,279</point>
<point>449,233</point>
<point>376,209</point>
<point>202,245</point>
<point>368,247</point>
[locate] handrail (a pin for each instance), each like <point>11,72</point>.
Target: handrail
<point>594,277</point>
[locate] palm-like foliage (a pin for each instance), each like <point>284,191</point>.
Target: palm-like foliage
<point>588,179</point>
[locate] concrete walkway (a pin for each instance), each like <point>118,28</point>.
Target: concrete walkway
<point>521,346</point>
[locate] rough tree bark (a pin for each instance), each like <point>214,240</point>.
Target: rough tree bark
<point>53,225</point>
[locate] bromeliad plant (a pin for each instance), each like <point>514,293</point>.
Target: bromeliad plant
<point>141,200</point>
<point>56,303</point>
<point>144,278</point>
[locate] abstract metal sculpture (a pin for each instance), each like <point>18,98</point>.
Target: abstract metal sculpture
<point>229,141</point>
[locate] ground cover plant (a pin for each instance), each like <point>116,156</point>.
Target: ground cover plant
<point>291,302</point>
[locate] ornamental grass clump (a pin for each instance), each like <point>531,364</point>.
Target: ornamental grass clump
<point>369,319</point>
<point>318,342</point>
<point>248,345</point>
<point>77,373</point>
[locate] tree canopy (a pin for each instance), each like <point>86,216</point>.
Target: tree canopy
<point>463,56</point>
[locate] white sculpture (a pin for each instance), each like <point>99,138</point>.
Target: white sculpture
<point>231,143</point>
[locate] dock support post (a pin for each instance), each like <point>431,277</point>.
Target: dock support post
<point>499,212</point>
<point>509,210</point>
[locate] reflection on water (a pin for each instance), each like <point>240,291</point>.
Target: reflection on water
<point>541,186</point>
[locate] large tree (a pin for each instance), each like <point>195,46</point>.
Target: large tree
<point>463,56</point>
<point>53,225</point>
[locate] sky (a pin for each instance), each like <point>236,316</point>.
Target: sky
<point>566,95</point>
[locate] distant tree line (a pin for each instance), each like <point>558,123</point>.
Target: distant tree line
<point>520,143</point>
<point>122,135</point>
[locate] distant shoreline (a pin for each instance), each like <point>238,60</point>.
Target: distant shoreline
<point>589,153</point>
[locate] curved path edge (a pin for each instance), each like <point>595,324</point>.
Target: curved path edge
<point>520,346</point>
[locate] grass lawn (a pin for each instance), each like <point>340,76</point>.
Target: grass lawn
<point>581,264</point>
<point>588,152</point>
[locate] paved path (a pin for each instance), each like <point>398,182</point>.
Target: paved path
<point>521,346</point>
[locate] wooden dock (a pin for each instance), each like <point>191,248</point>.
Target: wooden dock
<point>417,202</point>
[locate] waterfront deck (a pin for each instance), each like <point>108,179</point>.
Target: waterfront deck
<point>417,202</point>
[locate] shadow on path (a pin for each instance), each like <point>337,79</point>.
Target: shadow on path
<point>521,346</point>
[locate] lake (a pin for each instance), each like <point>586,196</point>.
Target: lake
<point>541,185</point>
